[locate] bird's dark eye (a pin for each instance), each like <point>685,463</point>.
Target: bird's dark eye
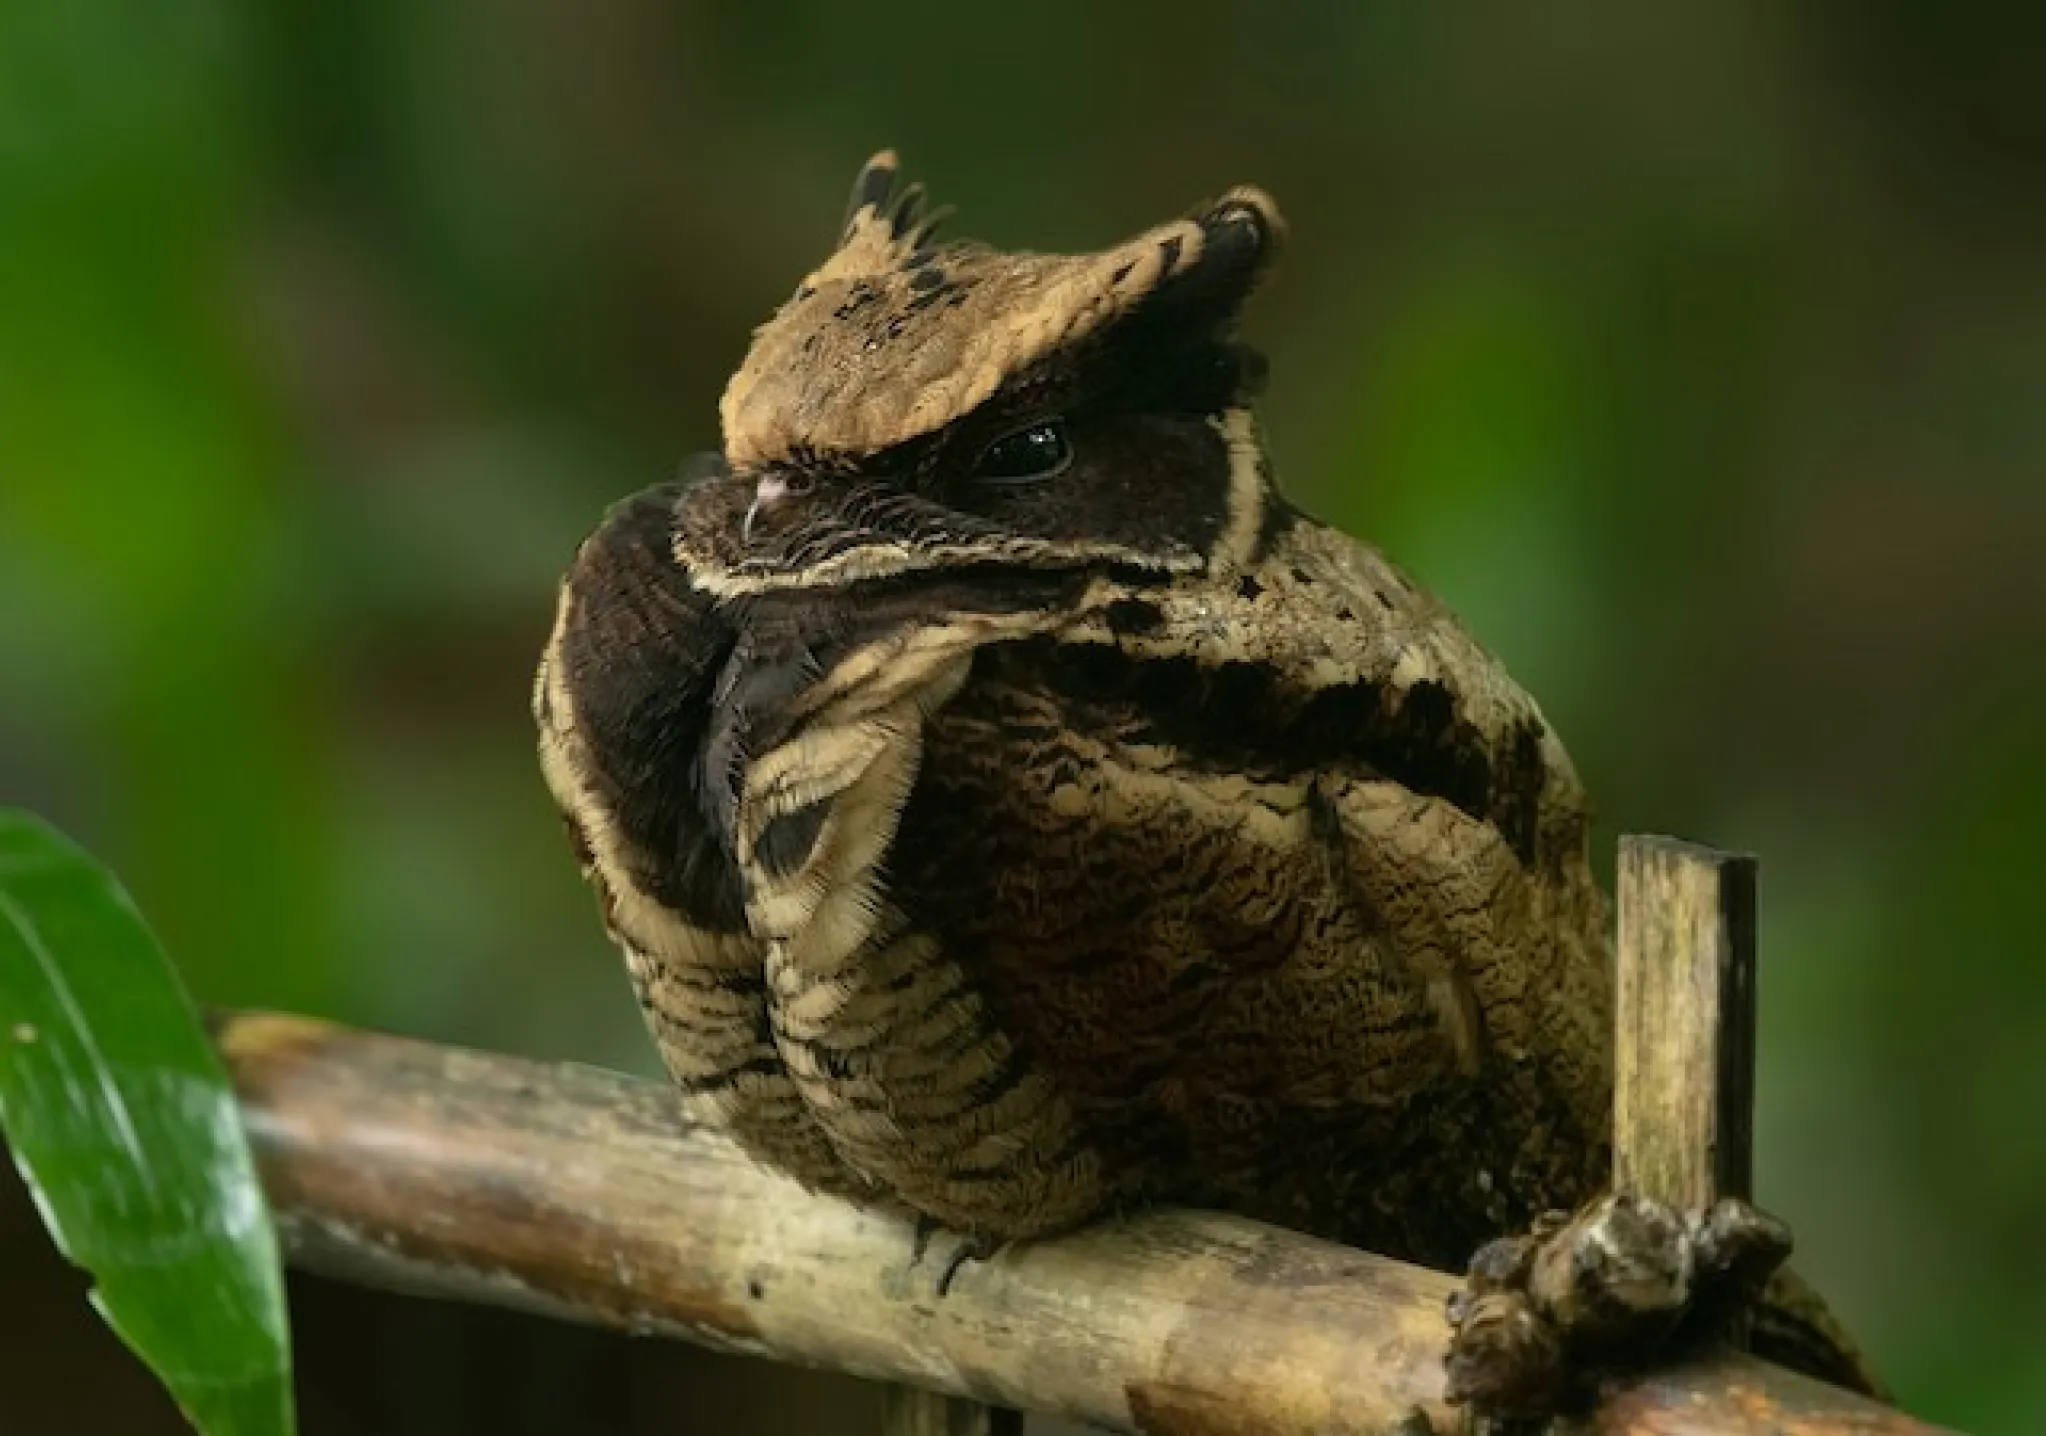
<point>1026,456</point>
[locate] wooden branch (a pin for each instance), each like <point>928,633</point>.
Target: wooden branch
<point>593,1197</point>
<point>1684,1056</point>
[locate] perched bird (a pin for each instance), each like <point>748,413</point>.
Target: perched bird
<point>1012,809</point>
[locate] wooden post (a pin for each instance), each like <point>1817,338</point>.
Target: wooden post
<point>1684,1056</point>
<point>908,1411</point>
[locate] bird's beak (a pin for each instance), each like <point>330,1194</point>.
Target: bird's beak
<point>768,495</point>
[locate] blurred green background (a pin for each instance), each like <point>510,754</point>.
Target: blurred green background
<point>1696,352</point>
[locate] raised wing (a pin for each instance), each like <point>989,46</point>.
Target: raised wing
<point>815,749</point>
<point>623,700</point>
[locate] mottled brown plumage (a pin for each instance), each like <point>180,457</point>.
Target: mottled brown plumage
<point>1012,809</point>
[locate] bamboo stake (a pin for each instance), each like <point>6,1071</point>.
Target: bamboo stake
<point>908,1411</point>
<point>1684,1054</point>
<point>1684,1030</point>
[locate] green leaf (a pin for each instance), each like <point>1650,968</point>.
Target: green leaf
<point>123,1123</point>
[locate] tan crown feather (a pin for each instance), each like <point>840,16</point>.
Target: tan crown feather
<point>892,338</point>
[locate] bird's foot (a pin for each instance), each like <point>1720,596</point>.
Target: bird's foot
<point>970,1249</point>
<point>1543,1317</point>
